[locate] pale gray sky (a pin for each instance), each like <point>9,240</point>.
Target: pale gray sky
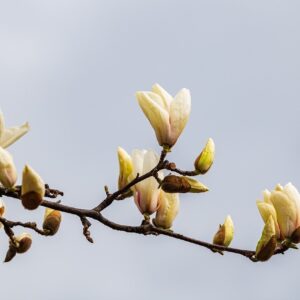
<point>71,69</point>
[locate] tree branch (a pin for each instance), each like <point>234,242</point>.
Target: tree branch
<point>95,213</point>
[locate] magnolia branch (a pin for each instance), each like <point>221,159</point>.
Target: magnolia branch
<point>146,228</point>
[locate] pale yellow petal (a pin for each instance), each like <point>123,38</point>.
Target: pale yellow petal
<point>179,114</point>
<point>9,135</point>
<point>167,210</point>
<point>165,96</point>
<point>286,212</point>
<point>157,116</point>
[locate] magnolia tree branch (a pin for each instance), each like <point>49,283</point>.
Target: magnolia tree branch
<point>146,228</point>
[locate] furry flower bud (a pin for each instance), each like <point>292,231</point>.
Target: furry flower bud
<point>206,158</point>
<point>182,184</point>
<point>52,220</point>
<point>33,188</point>
<point>8,172</point>
<point>224,235</point>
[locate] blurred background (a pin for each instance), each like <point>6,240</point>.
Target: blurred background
<point>71,68</point>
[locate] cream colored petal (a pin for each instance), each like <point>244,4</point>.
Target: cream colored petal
<point>267,196</point>
<point>179,114</point>
<point>149,186</point>
<point>267,243</point>
<point>125,168</point>
<point>8,171</point>
<point>266,210</point>
<point>286,212</point>
<point>150,161</point>
<point>165,96</point>
<point>157,116</point>
<point>146,196</point>
<point>167,210</point>
<point>138,160</point>
<point>279,187</point>
<point>291,191</point>
<point>155,98</point>
<point>229,231</point>
<point>9,135</point>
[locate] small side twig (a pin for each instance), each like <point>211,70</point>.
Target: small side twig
<point>86,225</point>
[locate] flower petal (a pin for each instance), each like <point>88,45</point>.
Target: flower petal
<point>156,114</point>
<point>266,210</point>
<point>293,194</point>
<point>286,211</point>
<point>165,96</point>
<point>179,114</point>
<point>9,135</point>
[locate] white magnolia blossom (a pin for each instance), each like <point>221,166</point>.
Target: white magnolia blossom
<point>167,115</point>
<point>283,204</point>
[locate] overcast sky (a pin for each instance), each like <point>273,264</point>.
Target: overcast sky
<point>71,68</point>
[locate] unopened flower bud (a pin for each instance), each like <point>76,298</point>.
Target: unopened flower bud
<point>182,184</point>
<point>33,188</point>
<point>23,242</point>
<point>206,158</point>
<point>168,206</point>
<point>126,168</point>
<point>8,172</point>
<point>267,243</point>
<point>52,220</point>
<point>224,235</point>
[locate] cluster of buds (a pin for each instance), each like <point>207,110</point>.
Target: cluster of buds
<point>168,117</point>
<point>280,210</point>
<point>32,190</point>
<point>20,244</point>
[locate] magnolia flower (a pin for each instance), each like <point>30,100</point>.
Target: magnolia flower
<point>283,204</point>
<point>167,210</point>
<point>8,172</point>
<point>9,135</point>
<point>167,115</point>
